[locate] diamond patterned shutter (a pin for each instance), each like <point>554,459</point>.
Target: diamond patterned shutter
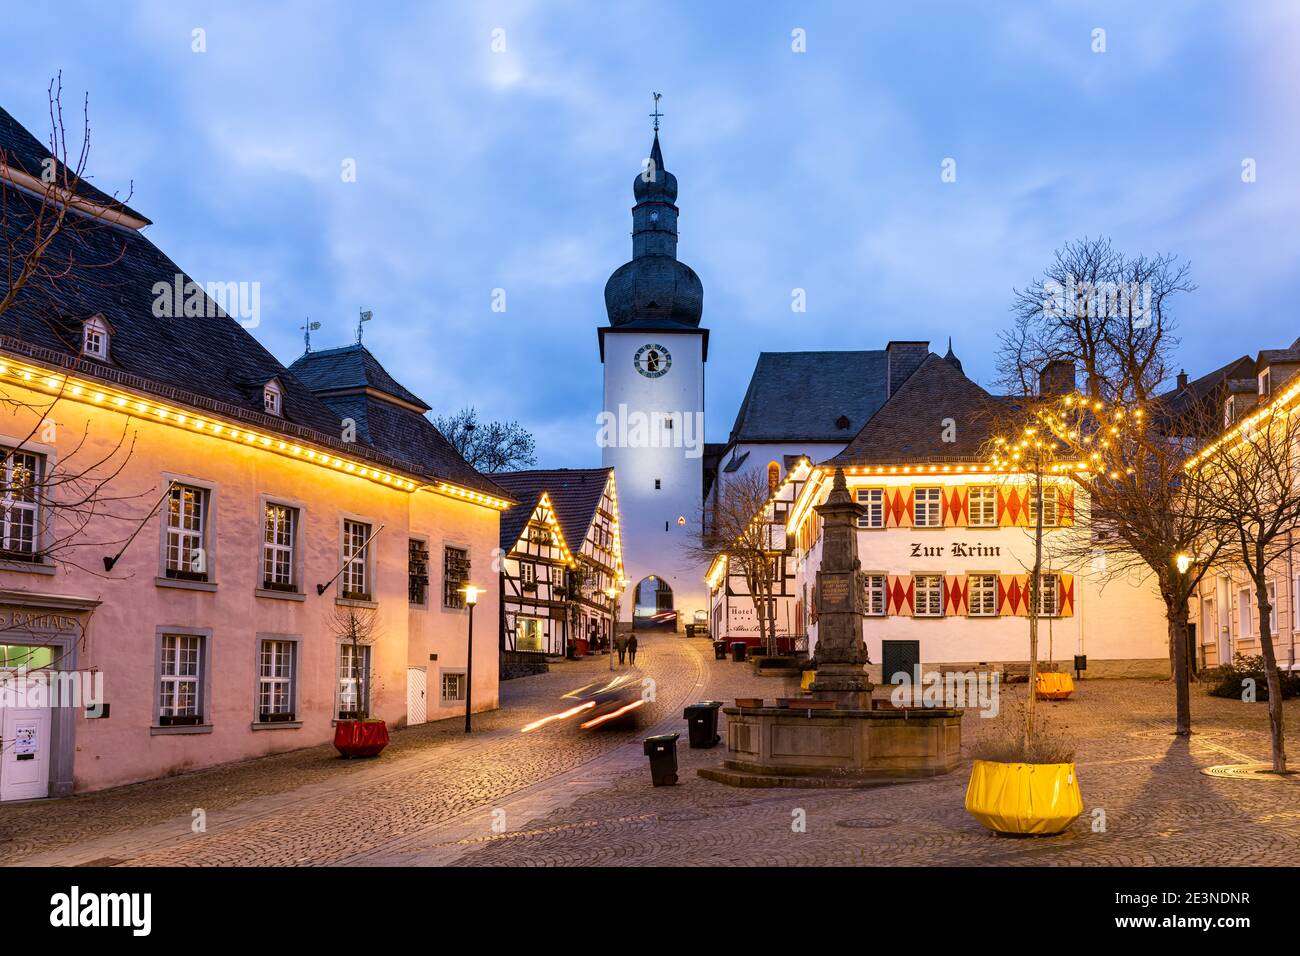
<point>1013,507</point>
<point>898,508</point>
<point>955,512</point>
<point>1065,507</point>
<point>899,594</point>
<point>1065,587</point>
<point>956,593</point>
<point>1013,594</point>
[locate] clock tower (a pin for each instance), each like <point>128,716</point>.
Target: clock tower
<point>652,430</point>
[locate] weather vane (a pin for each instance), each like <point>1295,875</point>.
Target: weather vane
<point>656,114</point>
<point>307,330</point>
<point>366,316</point>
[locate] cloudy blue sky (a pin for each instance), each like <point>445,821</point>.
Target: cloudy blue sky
<point>819,170</point>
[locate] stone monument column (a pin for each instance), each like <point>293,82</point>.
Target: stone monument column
<point>841,651</point>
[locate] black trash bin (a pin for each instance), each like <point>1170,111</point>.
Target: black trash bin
<point>720,650</point>
<point>738,650</point>
<point>662,751</point>
<point>702,720</point>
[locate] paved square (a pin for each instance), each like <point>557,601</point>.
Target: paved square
<point>557,797</point>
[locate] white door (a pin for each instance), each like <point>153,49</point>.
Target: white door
<point>25,764</point>
<point>417,709</point>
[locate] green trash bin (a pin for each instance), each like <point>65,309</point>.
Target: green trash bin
<point>720,650</point>
<point>738,650</point>
<point>702,724</point>
<point>662,751</point>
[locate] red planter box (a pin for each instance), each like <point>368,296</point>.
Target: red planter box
<point>360,738</point>
<point>581,647</point>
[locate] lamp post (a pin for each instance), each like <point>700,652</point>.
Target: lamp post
<point>611,592</point>
<point>471,598</point>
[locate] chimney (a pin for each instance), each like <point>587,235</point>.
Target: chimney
<point>902,359</point>
<point>1182,380</point>
<point>1056,378</point>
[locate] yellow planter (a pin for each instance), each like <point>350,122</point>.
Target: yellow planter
<point>1026,798</point>
<point>1054,686</point>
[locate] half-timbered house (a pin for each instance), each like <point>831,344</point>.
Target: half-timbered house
<point>561,556</point>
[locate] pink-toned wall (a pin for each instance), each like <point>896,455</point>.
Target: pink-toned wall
<point>122,635</point>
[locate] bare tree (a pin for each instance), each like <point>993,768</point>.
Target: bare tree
<point>359,627</point>
<point>742,529</point>
<point>1027,452</point>
<point>1146,512</point>
<point>1251,483</point>
<point>50,221</point>
<point>1110,316</point>
<point>488,446</point>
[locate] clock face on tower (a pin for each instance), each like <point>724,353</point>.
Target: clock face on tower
<point>652,361</point>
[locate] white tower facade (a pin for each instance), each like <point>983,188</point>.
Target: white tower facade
<point>653,352</point>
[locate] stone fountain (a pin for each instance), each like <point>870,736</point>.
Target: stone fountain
<point>852,745</point>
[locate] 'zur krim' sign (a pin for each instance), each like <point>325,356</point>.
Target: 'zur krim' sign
<point>958,549</point>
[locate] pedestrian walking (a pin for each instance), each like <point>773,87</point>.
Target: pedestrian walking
<point>631,649</point>
<point>621,643</point>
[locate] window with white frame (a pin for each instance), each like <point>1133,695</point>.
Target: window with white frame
<point>1244,622</point>
<point>929,595</point>
<point>982,507</point>
<point>982,595</point>
<point>356,559</point>
<point>187,524</point>
<point>94,338</point>
<point>354,681</point>
<point>528,634</point>
<point>926,503</point>
<point>275,681</point>
<point>874,593</point>
<point>279,539</point>
<point>1272,606</point>
<point>180,679</point>
<point>1051,507</point>
<point>872,501</point>
<point>20,501</point>
<point>272,398</point>
<point>1049,595</point>
<point>455,572</point>
<point>453,687</point>
<point>527,573</point>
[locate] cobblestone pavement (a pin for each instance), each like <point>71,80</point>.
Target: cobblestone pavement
<point>555,797</point>
<point>309,807</point>
<point>1159,808</point>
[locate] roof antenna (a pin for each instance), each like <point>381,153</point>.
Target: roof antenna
<point>307,330</point>
<point>366,316</point>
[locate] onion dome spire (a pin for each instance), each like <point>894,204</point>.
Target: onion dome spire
<point>654,288</point>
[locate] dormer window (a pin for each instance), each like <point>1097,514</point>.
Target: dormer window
<point>1265,385</point>
<point>1229,412</point>
<point>272,398</point>
<point>94,338</point>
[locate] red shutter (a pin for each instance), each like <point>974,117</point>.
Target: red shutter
<point>899,595</point>
<point>954,506</point>
<point>956,593</point>
<point>1065,587</point>
<point>898,507</point>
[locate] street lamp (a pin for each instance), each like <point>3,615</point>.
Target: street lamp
<point>471,598</point>
<point>611,592</point>
<point>1183,562</point>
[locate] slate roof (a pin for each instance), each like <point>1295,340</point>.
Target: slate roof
<point>347,368</point>
<point>1280,356</point>
<point>212,363</point>
<point>909,427</point>
<point>1195,407</point>
<point>25,152</point>
<point>574,492</point>
<point>798,396</point>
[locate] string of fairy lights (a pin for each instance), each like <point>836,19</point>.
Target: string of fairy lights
<point>95,394</point>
